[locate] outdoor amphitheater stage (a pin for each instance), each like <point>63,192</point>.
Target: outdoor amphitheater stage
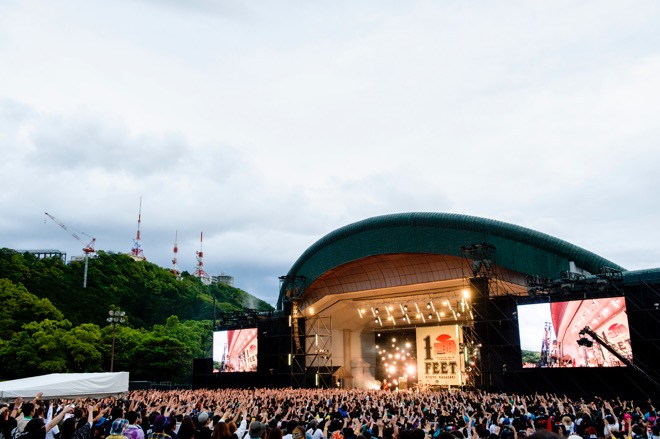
<point>436,300</point>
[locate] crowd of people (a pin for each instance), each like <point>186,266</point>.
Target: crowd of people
<point>327,414</point>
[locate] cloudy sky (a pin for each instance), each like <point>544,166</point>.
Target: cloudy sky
<point>268,124</point>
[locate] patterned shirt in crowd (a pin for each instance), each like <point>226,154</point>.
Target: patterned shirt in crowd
<point>134,432</point>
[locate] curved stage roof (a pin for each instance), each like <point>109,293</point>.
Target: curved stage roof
<point>420,252</point>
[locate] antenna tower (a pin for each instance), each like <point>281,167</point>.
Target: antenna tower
<point>136,252</point>
<point>175,265</point>
<point>199,269</point>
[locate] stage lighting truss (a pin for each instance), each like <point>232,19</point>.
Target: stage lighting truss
<point>457,308</point>
<point>480,257</point>
<point>608,279</point>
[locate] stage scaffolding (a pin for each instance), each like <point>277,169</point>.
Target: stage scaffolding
<point>318,351</point>
<point>311,367</point>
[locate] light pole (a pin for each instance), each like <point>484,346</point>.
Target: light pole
<point>116,317</point>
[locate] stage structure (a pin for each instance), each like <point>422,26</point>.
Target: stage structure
<point>434,300</point>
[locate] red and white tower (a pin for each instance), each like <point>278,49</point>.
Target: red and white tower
<point>199,270</point>
<point>175,265</point>
<point>136,252</point>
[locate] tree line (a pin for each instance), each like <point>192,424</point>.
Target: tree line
<point>49,323</point>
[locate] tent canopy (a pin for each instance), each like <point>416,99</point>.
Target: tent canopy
<point>67,385</point>
<point>342,373</point>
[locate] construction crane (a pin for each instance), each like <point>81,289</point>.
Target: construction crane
<point>87,249</point>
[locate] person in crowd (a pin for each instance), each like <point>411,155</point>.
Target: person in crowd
<point>274,433</point>
<point>36,428</point>
<point>134,429</point>
<point>257,430</point>
<point>203,431</point>
<point>158,428</point>
<point>341,413</point>
<point>118,428</point>
<point>221,431</point>
<point>314,430</point>
<point>187,428</point>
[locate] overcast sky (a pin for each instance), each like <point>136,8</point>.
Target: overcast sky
<point>268,124</point>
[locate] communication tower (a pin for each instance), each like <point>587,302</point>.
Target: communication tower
<point>175,265</point>
<point>136,252</point>
<point>199,269</point>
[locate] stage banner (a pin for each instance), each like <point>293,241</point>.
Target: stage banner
<point>438,356</point>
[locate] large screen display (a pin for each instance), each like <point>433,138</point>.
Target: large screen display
<point>549,333</point>
<point>235,350</point>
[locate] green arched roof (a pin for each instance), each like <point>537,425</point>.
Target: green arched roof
<point>517,248</point>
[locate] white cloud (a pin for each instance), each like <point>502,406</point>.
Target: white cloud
<point>269,125</point>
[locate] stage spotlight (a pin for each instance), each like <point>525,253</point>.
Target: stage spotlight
<point>656,306</point>
<point>476,267</point>
<point>430,316</point>
<point>405,308</point>
<point>376,310</point>
<point>428,305</point>
<point>466,294</point>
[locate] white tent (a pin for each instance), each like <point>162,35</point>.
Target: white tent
<point>67,385</point>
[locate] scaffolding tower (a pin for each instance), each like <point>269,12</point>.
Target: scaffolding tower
<point>318,351</point>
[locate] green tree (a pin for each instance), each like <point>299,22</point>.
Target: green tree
<point>161,358</point>
<point>126,339</point>
<point>531,357</point>
<point>49,323</point>
<point>147,292</point>
<point>38,349</point>
<point>82,345</point>
<point>19,307</point>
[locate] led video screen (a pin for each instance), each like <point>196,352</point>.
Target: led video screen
<point>235,350</point>
<point>550,333</point>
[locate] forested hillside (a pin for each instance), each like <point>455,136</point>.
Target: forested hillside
<point>148,293</point>
<point>50,323</point>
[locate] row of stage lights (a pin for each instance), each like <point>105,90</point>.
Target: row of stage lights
<point>460,310</point>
